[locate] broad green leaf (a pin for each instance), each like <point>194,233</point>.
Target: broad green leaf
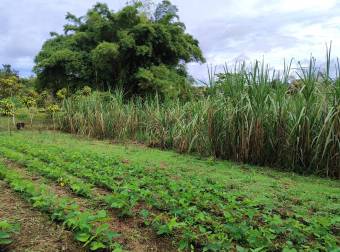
<point>5,241</point>
<point>96,245</point>
<point>82,237</point>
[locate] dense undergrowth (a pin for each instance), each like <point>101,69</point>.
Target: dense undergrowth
<point>247,116</point>
<point>199,212</point>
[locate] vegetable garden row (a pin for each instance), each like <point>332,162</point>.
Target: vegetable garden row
<point>197,213</point>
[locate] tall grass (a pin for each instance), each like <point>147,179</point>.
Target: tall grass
<point>253,116</point>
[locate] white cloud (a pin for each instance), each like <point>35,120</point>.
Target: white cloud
<point>305,5</point>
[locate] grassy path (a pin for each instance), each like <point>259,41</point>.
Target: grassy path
<point>201,204</point>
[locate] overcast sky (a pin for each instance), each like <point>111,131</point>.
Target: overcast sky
<point>228,30</point>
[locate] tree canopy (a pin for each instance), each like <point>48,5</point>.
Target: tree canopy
<point>9,81</point>
<point>128,49</point>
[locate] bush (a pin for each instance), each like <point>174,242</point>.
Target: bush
<point>7,107</point>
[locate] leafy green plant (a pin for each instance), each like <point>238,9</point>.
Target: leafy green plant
<point>7,229</point>
<point>62,94</point>
<point>166,227</point>
<point>9,85</point>
<point>82,223</point>
<point>121,201</point>
<point>86,91</point>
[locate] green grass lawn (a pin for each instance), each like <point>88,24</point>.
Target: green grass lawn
<point>203,204</point>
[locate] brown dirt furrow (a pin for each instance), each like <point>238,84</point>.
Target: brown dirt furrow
<point>37,232</point>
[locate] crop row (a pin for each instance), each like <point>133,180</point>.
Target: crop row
<point>126,195</point>
<point>202,213</point>
<point>90,228</point>
<point>55,173</point>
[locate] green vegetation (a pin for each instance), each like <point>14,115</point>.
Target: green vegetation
<point>129,49</point>
<point>245,116</point>
<point>122,76</point>
<point>202,204</point>
<point>90,228</point>
<point>19,99</point>
<point>7,229</point>
<point>251,115</point>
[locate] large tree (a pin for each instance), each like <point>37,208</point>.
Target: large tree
<point>130,49</point>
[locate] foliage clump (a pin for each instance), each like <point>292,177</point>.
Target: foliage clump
<point>29,102</point>
<point>127,49</point>
<point>7,107</point>
<point>62,94</point>
<point>7,229</point>
<point>9,85</point>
